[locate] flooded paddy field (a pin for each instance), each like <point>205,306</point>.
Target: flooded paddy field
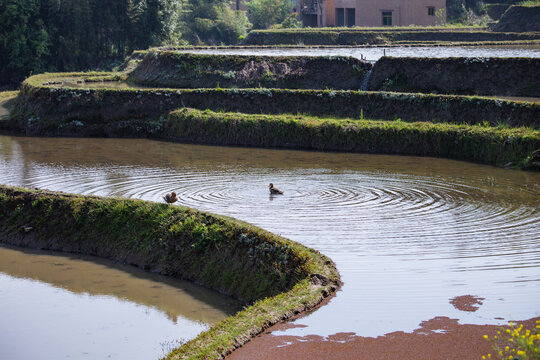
<point>408,234</point>
<point>375,53</point>
<point>82,307</point>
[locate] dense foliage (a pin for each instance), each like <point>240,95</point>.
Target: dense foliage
<point>213,22</point>
<point>60,35</point>
<point>67,35</point>
<point>264,13</point>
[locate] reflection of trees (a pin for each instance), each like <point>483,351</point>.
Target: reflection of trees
<point>93,276</point>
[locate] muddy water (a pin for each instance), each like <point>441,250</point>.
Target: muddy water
<point>408,234</point>
<point>81,307</point>
<point>375,53</point>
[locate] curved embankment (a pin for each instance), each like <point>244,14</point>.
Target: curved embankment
<point>482,76</point>
<point>48,110</point>
<point>183,70</point>
<point>281,277</point>
<point>463,142</point>
<point>362,36</point>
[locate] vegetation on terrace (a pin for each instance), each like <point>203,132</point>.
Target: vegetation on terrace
<point>352,36</point>
<point>278,277</point>
<point>480,143</point>
<point>60,110</point>
<point>184,70</point>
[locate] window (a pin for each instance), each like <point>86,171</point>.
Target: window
<point>350,16</point>
<point>340,17</point>
<point>431,11</point>
<point>387,18</point>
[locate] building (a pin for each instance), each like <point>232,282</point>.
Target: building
<point>322,13</point>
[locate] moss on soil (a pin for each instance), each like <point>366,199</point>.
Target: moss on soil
<point>53,111</point>
<point>185,70</point>
<point>278,277</point>
<point>7,99</point>
<point>485,144</point>
<point>348,36</point>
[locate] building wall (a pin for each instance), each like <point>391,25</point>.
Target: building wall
<point>404,12</point>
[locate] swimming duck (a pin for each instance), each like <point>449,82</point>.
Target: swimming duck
<point>170,198</point>
<point>274,190</point>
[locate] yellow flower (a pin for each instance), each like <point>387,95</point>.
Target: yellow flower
<point>486,337</point>
<point>521,353</point>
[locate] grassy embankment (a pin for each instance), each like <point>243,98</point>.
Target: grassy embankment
<point>278,277</point>
<point>511,76</point>
<point>184,70</point>
<point>403,36</point>
<point>73,111</point>
<point>7,98</point>
<point>484,144</point>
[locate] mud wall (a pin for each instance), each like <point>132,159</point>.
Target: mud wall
<point>474,76</point>
<point>181,70</point>
<point>519,19</point>
<point>43,110</point>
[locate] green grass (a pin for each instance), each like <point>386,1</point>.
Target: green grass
<point>530,3</point>
<point>497,145</point>
<point>43,110</point>
<point>7,95</point>
<point>277,278</point>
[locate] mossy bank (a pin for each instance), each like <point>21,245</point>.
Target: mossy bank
<point>51,110</point>
<point>484,144</point>
<point>362,36</point>
<point>279,277</point>
<point>184,70</point>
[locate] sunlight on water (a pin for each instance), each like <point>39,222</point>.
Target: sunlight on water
<point>406,233</point>
<point>375,53</point>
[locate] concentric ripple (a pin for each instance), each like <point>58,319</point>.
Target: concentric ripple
<point>407,234</point>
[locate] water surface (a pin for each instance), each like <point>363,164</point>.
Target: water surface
<point>81,307</point>
<point>407,233</point>
<point>375,53</point>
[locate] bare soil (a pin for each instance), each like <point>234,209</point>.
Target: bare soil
<point>440,338</point>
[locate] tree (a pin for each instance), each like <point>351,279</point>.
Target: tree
<point>264,13</point>
<point>213,22</point>
<point>24,41</point>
